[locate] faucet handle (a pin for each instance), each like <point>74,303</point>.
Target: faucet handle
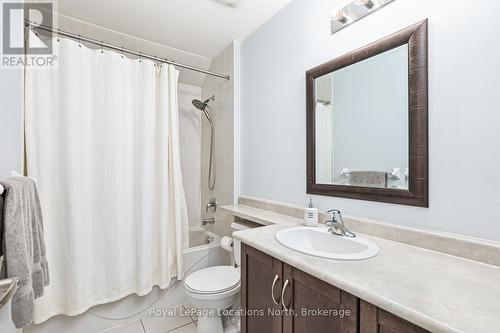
<point>334,213</point>
<point>329,223</point>
<point>212,205</point>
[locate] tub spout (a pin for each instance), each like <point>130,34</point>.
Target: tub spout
<point>207,221</point>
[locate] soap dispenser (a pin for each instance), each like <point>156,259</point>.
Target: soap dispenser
<point>311,215</point>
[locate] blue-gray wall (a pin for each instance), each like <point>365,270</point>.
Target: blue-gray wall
<point>464,62</point>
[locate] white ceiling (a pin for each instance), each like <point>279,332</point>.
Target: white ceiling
<point>203,27</point>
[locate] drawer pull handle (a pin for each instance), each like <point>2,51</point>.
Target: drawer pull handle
<point>276,278</point>
<point>283,295</point>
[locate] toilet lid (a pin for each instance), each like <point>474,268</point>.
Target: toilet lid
<point>214,279</point>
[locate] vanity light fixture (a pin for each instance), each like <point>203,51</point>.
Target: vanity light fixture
<point>353,11</point>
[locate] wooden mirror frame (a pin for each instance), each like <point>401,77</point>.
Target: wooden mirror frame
<point>418,193</point>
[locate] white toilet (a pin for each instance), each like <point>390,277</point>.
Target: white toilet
<point>215,288</point>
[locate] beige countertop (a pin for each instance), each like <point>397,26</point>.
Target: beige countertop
<point>436,291</point>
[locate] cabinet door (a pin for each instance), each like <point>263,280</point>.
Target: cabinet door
<point>316,306</point>
<point>376,320</point>
<point>258,272</point>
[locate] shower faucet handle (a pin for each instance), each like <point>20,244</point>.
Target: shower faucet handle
<point>212,205</point>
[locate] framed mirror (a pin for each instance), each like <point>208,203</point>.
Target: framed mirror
<point>367,118</point>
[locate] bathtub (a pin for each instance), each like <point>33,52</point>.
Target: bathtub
<point>204,251</point>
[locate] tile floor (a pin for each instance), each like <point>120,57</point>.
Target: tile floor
<point>176,321</point>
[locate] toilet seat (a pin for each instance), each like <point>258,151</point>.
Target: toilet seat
<point>213,280</point>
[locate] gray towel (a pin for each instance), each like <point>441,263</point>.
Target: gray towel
<point>24,246</point>
<point>368,178</point>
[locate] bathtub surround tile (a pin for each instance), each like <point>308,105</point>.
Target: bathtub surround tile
<point>192,59</point>
<point>190,148</point>
<point>146,47</point>
<point>122,40</point>
<point>223,112</point>
<point>222,226</point>
<point>192,77</point>
<point>70,24</point>
<point>95,32</point>
<point>165,52</point>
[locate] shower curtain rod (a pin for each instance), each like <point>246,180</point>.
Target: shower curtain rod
<point>80,38</point>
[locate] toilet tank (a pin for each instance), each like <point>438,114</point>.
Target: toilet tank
<point>238,225</point>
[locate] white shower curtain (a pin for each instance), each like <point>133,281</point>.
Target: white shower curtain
<point>102,139</point>
<point>324,144</point>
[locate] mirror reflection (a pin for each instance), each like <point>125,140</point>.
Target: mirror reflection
<point>362,123</point>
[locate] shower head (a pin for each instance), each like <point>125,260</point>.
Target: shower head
<point>203,106</point>
<point>199,104</point>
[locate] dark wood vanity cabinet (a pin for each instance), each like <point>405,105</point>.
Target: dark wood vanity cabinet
<point>258,272</point>
<point>278,298</point>
<point>316,306</point>
<point>308,304</point>
<point>376,320</point>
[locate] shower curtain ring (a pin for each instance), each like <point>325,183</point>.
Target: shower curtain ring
<point>58,37</point>
<point>140,56</point>
<point>122,52</point>
<point>102,50</point>
<point>79,40</point>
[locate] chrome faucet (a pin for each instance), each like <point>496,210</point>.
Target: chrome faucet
<point>336,224</point>
<point>211,205</point>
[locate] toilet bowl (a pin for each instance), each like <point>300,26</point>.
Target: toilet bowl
<point>213,289</point>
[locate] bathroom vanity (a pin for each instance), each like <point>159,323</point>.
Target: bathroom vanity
<point>419,281</point>
<point>304,303</point>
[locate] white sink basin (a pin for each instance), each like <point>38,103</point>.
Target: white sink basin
<point>320,243</point>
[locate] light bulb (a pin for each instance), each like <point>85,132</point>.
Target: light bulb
<point>369,4</point>
<point>340,16</point>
